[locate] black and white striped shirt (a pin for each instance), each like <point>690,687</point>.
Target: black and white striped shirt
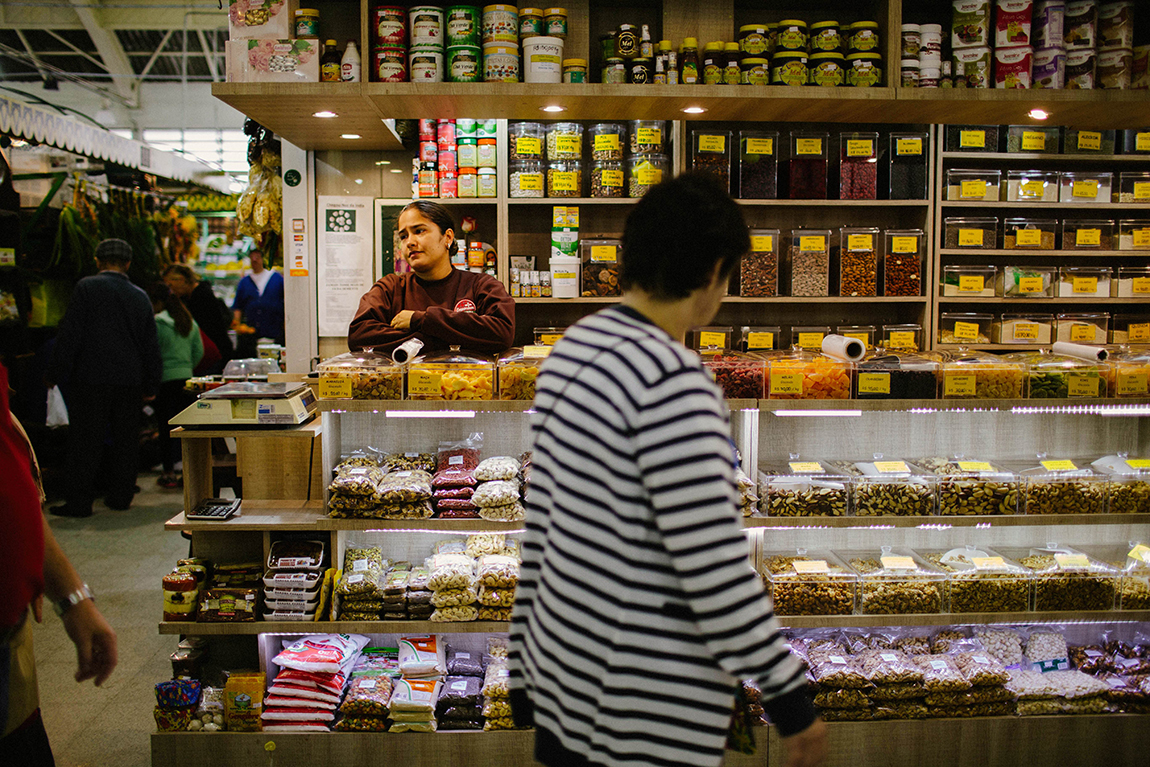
<point>637,610</point>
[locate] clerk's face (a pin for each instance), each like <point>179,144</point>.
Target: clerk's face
<point>425,245</point>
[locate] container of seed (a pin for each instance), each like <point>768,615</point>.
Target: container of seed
<point>972,138</point>
<point>809,582</point>
<point>809,337</point>
<point>893,488</point>
<point>1031,138</point>
<point>982,580</point>
<point>967,233</point>
<point>1026,282</point>
<point>1132,560</point>
<point>964,327</point>
<point>711,154</point>
<point>1082,328</point>
<point>1031,186</point>
<point>1133,234</point>
<point>1130,329</point>
<point>966,185</point>
<point>1076,141</point>
<point>1134,188</point>
<point>1085,187</point>
<point>758,165</point>
<point>1129,483</point>
<point>1131,367</point>
<point>1054,376</point>
<point>607,178</point>
<point>1067,579</point>
<point>973,487</point>
<point>1087,234</point>
<point>608,141</point>
<point>1029,234</point>
<point>759,268</point>
<point>803,487</point>
<point>1062,486</point>
<point>360,375</point>
<point>977,375</point>
<point>644,171</point>
<point>893,375</point>
<point>858,261</point>
<point>906,337</point>
<point>902,262</point>
<point>564,141</point>
<point>647,136</point>
<point>809,256</point>
<point>968,280</point>
<point>525,141</point>
<point>896,581</point>
<point>759,338</point>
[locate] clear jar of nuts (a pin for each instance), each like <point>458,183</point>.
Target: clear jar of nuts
<point>982,580</point>
<point>607,141</point>
<point>564,141</point>
<point>360,375</point>
<point>896,582</point>
<point>607,178</point>
<point>564,178</point>
<point>805,582</point>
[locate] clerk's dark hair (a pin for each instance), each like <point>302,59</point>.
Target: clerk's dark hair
<point>676,234</point>
<point>161,294</point>
<point>438,215</point>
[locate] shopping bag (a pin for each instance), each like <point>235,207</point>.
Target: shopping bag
<point>57,410</point>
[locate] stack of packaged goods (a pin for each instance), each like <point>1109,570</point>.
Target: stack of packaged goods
<point>294,580</point>
<point>457,158</point>
<point>498,492</point>
<point>366,705</point>
<point>422,663</point>
<point>839,685</point>
<point>395,593</point>
<point>898,691</point>
<point>361,585</point>
<point>419,607</point>
<point>459,706</point>
<point>319,664</point>
<point>453,585</point>
<point>354,490</point>
<point>405,495</point>
<point>176,703</point>
<point>234,594</point>
<point>498,577</point>
<point>496,687</point>
<point>454,482</point>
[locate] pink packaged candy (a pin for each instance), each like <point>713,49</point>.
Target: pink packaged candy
<point>1012,67</point>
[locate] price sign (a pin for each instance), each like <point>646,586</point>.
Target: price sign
<point>874,383</point>
<point>1088,238</point>
<point>1033,141</point>
<point>607,142</point>
<point>898,563</point>
<point>760,340</point>
<point>1131,383</point>
<point>970,238</point>
<point>1140,286</point>
<point>650,136</point>
<point>762,243</point>
<point>335,388</point>
<point>860,148</point>
<point>967,331</point>
<point>1084,189</point>
<point>786,383</point>
<point>1030,285</point>
<point>611,178</point>
<point>424,382</point>
<point>1082,385</point>
<point>808,146</point>
<point>603,253</point>
<point>908,147</point>
<point>536,351</point>
<point>564,181</point>
<point>975,466</point>
<point>760,146</point>
<point>712,144</point>
<point>1032,189</point>
<point>1085,284</point>
<point>1141,553</point>
<point>972,139</point>
<point>1059,465</point>
<point>891,467</point>
<point>1067,561</point>
<point>811,340</point>
<point>806,467</point>
<point>1026,331</point>
<point>1028,238</point>
<point>811,566</point>
<point>1142,238</point>
<point>531,181</point>
<point>1142,142</point>
<point>860,242</point>
<point>959,386</point>
<point>1142,190</point>
<point>528,145</point>
<point>1090,140</point>
<point>903,244</point>
<point>901,339</point>
<point>863,338</point>
<point>567,144</point>
<point>1083,333</point>
<point>812,244</point>
<point>712,338</point>
<point>550,339</point>
<point>648,176</point>
<point>1138,331</point>
<point>988,563</point>
<point>975,190</point>
<point>971,283</point>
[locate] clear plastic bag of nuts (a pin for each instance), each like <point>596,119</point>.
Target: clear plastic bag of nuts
<point>940,674</point>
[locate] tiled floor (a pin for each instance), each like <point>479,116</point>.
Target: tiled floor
<point>122,555</point>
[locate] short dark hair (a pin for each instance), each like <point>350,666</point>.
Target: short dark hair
<point>114,251</point>
<point>676,234</point>
<point>438,215</point>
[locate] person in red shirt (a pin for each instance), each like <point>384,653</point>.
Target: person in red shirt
<point>435,302</point>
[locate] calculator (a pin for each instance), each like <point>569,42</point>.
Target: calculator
<point>215,510</point>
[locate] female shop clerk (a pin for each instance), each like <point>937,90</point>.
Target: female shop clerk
<point>435,302</point>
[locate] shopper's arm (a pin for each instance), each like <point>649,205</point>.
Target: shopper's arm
<point>94,639</point>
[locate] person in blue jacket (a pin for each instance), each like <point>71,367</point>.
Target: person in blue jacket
<point>260,304</point>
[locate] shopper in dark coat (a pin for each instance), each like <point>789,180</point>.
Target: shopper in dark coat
<point>107,362</point>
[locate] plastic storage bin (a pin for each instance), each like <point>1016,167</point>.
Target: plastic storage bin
<point>805,488</point>
<point>1131,282</point>
<point>1136,141</point>
<point>863,333</point>
<point>714,338</point>
<point>1087,234</point>
<point>809,582</point>
<point>525,141</point>
<point>1130,560</point>
<point>964,328</point>
<point>759,268</point>
<point>1133,234</point>
<point>965,185</point>
<point>1018,328</point>
<point>809,337</point>
<point>739,376</point>
<point>892,487</point>
<point>1077,141</point>
<point>758,165</point>
<point>970,233</point>
<point>1029,234</point>
<point>1129,484</point>
<point>644,171</point>
<point>809,257</point>
<point>968,486</point>
<point>978,375</point>
<point>807,167</point>
<point>1085,188</point>
<point>517,370</point>
<point>972,138</point>
<point>905,337</point>
<point>711,154</point>
<point>607,141</point>
<point>607,178</point>
<point>1054,376</point>
<point>902,262</point>
<point>1027,281</point>
<point>759,338</point>
<point>1130,329</point>
<point>909,157</point>
<point>1134,188</point>
<point>891,375</point>
<point>805,375</point>
<point>981,580</point>
<point>858,166</point>
<point>360,375</point>
<point>1084,282</point>
<point>969,281</point>
<point>564,178</point>
<point>1131,373</point>
<point>564,141</point>
<point>647,136</point>
<point>1031,138</point>
<point>858,261</point>
<point>526,179</point>
<point>1031,186</point>
<point>1067,579</point>
<point>1089,328</point>
<point>600,266</point>
<point>1062,486</point>
<point>548,336</point>
<point>896,581</point>
<point>452,375</point>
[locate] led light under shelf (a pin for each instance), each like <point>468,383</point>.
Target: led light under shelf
<point>325,114</point>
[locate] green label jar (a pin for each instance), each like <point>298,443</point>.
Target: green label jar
<point>753,39</point>
<point>864,37</point>
<point>792,36</point>
<point>555,23</point>
<point>530,22</point>
<point>789,68</point>
<point>827,69</point>
<point>755,71</point>
<point>463,22</point>
<point>464,64</point>
<point>574,70</point>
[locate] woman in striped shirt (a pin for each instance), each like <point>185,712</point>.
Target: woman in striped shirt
<point>637,611</point>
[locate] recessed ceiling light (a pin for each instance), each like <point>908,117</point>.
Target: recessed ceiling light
<point>694,110</point>
<point>359,181</point>
<point>350,135</point>
<point>553,108</point>
<point>1039,114</point>
<point>383,162</point>
<point>396,170</point>
<point>325,113</point>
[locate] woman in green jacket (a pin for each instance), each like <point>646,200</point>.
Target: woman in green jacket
<point>181,350</point>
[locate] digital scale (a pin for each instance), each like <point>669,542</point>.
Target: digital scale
<point>250,404</point>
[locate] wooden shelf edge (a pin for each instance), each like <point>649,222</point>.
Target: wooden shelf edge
<point>1045,157</point>
<point>258,515</point>
<point>883,405</point>
<point>1040,253</point>
<point>956,619</point>
<point>433,525</point>
<point>1036,207</point>
<point>330,627</point>
<point>1005,520</point>
<point>1020,302</point>
<point>410,405</point>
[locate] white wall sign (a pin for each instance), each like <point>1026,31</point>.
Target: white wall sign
<point>343,268</point>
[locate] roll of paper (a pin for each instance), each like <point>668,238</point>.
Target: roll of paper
<point>1081,351</point>
<point>406,351</point>
<point>843,348</point>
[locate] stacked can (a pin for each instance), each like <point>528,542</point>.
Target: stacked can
<point>1048,35</point>
<point>464,62</point>
<point>388,62</point>
<point>500,43</point>
<point>426,28</point>
<point>1115,46</point>
<point>456,158</point>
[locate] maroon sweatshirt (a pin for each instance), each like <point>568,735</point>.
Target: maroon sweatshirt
<point>465,309</point>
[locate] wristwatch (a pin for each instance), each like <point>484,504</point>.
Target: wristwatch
<point>76,597</point>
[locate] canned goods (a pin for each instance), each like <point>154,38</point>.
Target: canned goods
<point>426,25</point>
<point>446,161</point>
<point>467,182</point>
<point>463,22</point>
<point>428,150</point>
<point>500,24</point>
<point>306,24</point>
<point>639,71</point>
<point>574,70</point>
<point>463,64</point>
<point>555,23</point>
<point>753,39</point>
<point>390,26</point>
<point>468,153</point>
<point>789,68</point>
<point>626,41</point>
<point>501,63</point>
<point>531,22</point>
<point>755,71</point>
<point>425,65</point>
<point>427,130</point>
<point>615,71</point>
<point>448,185</point>
<point>486,153</point>
<point>445,134</point>
<point>825,36</point>
<point>791,36</point>
<point>864,69</point>
<point>827,68</point>
<point>390,65</point>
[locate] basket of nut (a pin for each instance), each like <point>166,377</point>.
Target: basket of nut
<point>803,582</point>
<point>896,582</point>
<point>360,375</point>
<point>982,580</point>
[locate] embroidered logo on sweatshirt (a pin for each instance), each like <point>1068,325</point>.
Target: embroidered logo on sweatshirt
<point>465,305</point>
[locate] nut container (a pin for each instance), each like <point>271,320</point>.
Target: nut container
<point>564,141</point>
<point>758,165</point>
<point>1085,188</point>
<point>1131,372</point>
<point>964,327</point>
<point>1076,141</point>
<point>891,375</point>
<point>805,375</point>
<point>740,376</point>
<point>1090,328</point>
<point>1084,282</point>
<point>1023,328</point>
<point>1031,138</point>
<point>1062,486</point>
<point>360,375</point>
<point>453,375</point>
<point>970,233</point>
<point>1087,234</point>
<point>1031,186</point>
<point>1133,234</point>
<point>525,141</point>
<point>1129,483</point>
<point>902,262</point>
<point>982,580</point>
<point>805,488</point>
<point>1067,579</point>
<point>965,185</point>
<point>1054,376</point>
<point>1029,234</point>
<point>608,141</point>
<point>895,581</point>
<point>972,487</point>
<point>893,488</point>
<point>809,257</point>
<point>517,370</point>
<point>809,582</point>
<point>858,261</point>
<point>978,375</point>
<point>759,268</point>
<point>600,260</point>
<point>644,171</point>
<point>1134,188</point>
<point>759,338</point>
<point>647,136</point>
<point>1132,561</point>
<point>903,338</point>
<point>968,281</point>
<point>1026,282</point>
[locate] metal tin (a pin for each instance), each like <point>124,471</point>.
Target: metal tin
<point>500,63</point>
<point>463,22</point>
<point>500,24</point>
<point>425,23</point>
<point>464,64</point>
<point>425,65</point>
<point>390,26</point>
<point>390,65</point>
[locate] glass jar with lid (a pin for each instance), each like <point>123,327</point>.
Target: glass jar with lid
<point>607,178</point>
<point>565,141</point>
<point>644,171</point>
<point>564,178</point>
<point>360,375</point>
<point>525,141</point>
<point>607,141</point>
<point>451,375</point>
<point>525,179</point>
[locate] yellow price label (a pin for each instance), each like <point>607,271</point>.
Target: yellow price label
<point>550,339</point>
<point>903,244</point>
<point>959,386</point>
<point>862,338</point>
<point>860,147</point>
<point>891,467</point>
<point>1082,385</point>
<point>1140,285</point>
<point>891,562</point>
<point>607,142</point>
<point>1026,331</point>
<point>812,244</point>
<point>1142,190</point>
<point>564,181</point>
<point>604,253</point>
<point>335,388</point>
<point>528,145</point>
<point>649,136</point>
<point>1066,561</point>
<point>1059,465</point>
<point>762,243</point>
<point>536,351</point>
<point>1030,285</point>
<point>531,181</point>
<point>806,146</point>
<point>874,383</point>
<point>1085,284</point>
<point>786,383</point>
<point>1031,189</point>
<point>712,338</point>
<point>860,242</point>
<point>988,563</point>
<point>970,238</point>
<point>1083,333</point>
<point>967,331</point>
<point>811,340</point>
<point>1028,238</point>
<point>611,178</point>
<point>901,339</point>
<point>1142,142</point>
<point>1142,238</point>
<point>1084,189</point>
<point>973,190</point>
<point>1033,141</point>
<point>760,146</point>
<point>1138,331</point>
<point>971,283</point>
<point>975,466</point>
<point>568,144</point>
<point>811,566</point>
<point>1088,238</point>
<point>424,382</point>
<point>1138,463</point>
<point>760,340</point>
<point>1131,384</point>
<point>907,147</point>
<point>972,139</point>
<point>807,467</point>
<point>712,143</point>
<point>1140,553</point>
<point>1090,140</point>
<point>648,176</point>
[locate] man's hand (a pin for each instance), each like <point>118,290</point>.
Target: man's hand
<point>807,748</point>
<point>402,320</point>
<point>94,639</point>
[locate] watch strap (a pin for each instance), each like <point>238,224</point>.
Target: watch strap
<point>71,600</point>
